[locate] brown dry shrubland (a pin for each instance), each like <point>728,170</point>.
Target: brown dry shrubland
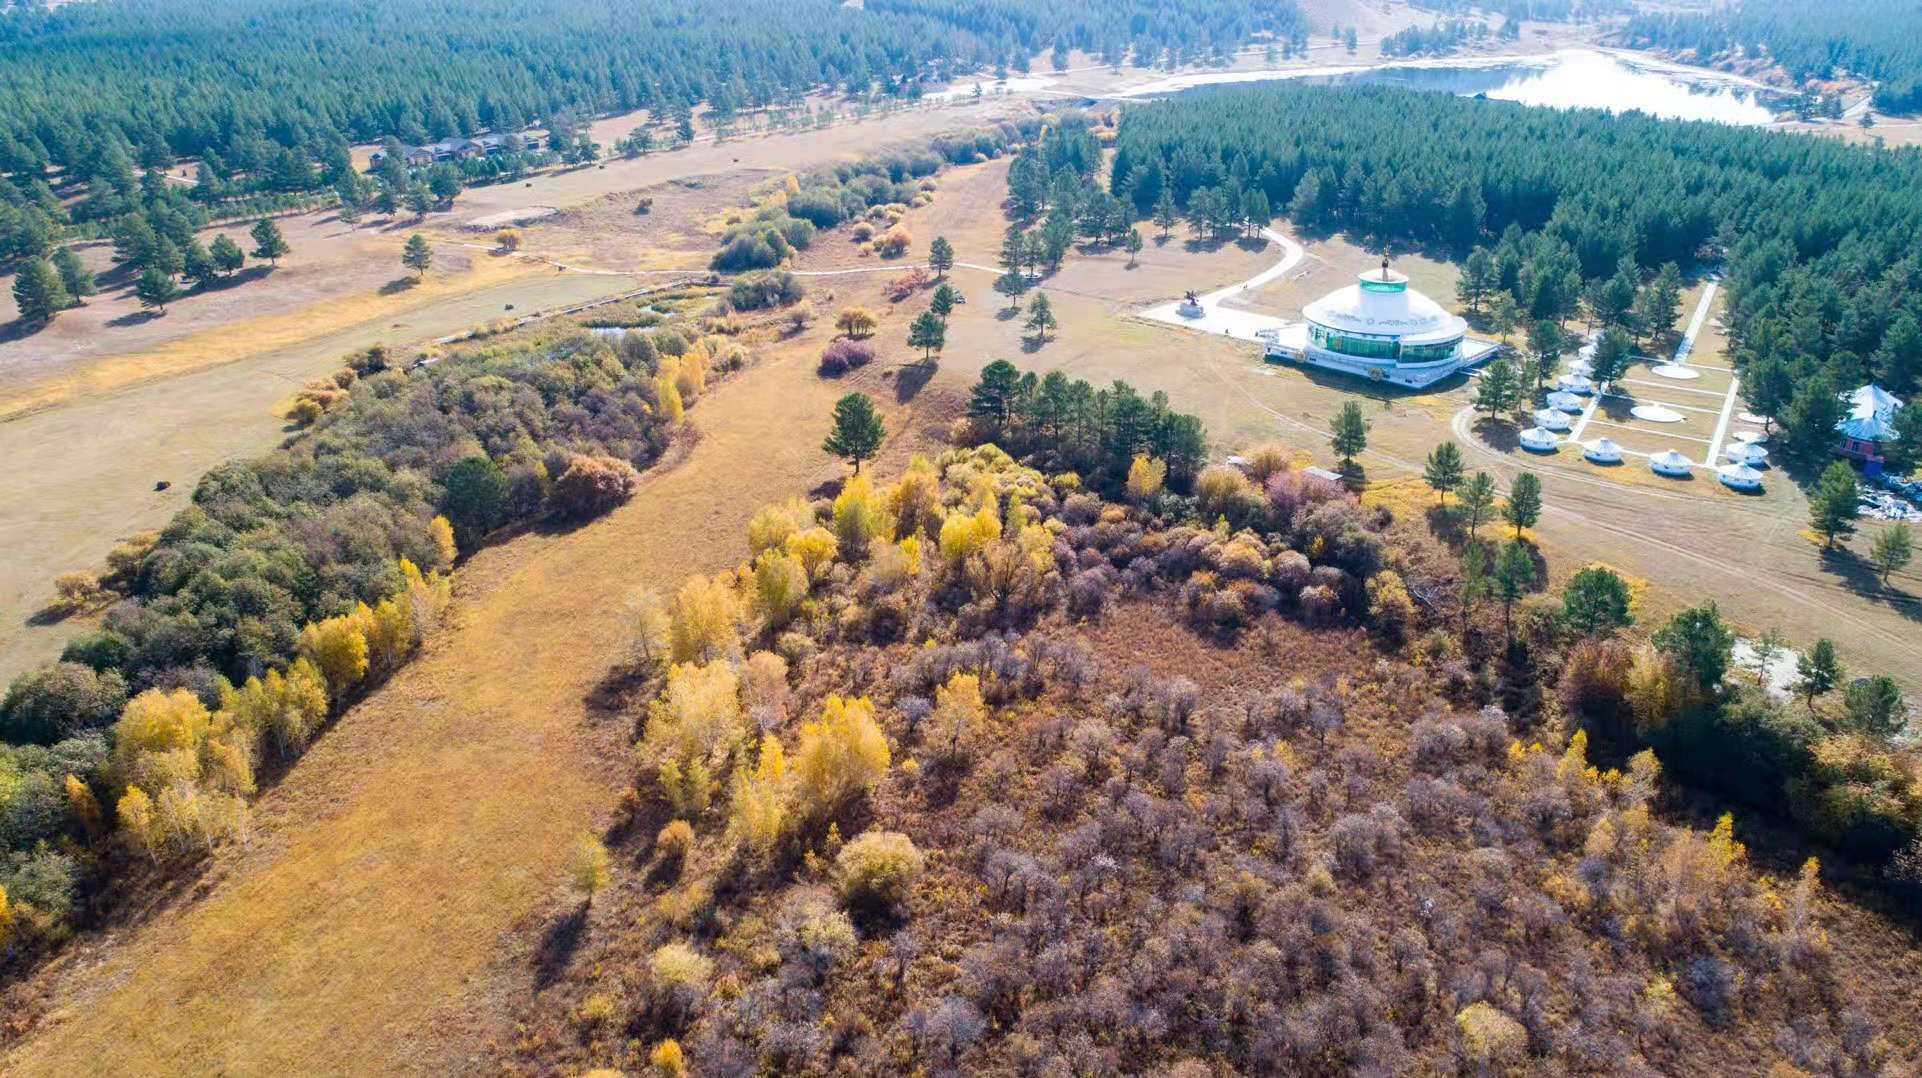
<point>1050,786</point>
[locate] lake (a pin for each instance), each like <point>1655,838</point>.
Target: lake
<point>1571,78</point>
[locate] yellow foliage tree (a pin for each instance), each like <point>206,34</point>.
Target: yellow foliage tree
<point>1490,1039</point>
<point>856,322</point>
<point>157,739</point>
<point>704,620</point>
<point>915,500</point>
<point>667,397</point>
<point>840,757</point>
<point>84,806</point>
<point>668,1060</point>
<point>696,718</point>
<point>6,918</point>
<point>758,809</point>
<point>1145,477</point>
<point>136,816</point>
<point>816,547</point>
<point>780,584</point>
<point>590,868</point>
<point>442,532</point>
<point>773,524</point>
<point>860,518</point>
<point>338,649</point>
<point>958,712</point>
<point>963,534</point>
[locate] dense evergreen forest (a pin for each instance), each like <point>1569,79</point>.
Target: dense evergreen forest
<point>1880,39</point>
<point>173,77</point>
<point>1817,235</point>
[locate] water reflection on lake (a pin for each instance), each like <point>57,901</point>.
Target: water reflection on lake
<point>1572,78</point>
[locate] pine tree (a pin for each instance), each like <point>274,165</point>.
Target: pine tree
<point>268,242</point>
<point>1596,602</point>
<point>1133,244</point>
<point>1477,280</point>
<point>1810,419</point>
<point>417,255</point>
<point>1041,316</point>
<point>943,302</point>
<point>226,254</point>
<point>928,332</point>
<point>200,265</point>
<point>155,289</point>
<point>1165,215</point>
<point>1478,497</point>
<point>941,256</point>
<point>1612,354</point>
<point>39,294</point>
<point>1545,344</point>
<point>1444,470</point>
<point>1497,390</point>
<point>1524,506</point>
<point>1835,504</point>
<point>1514,575</point>
<point>1350,435</point>
<point>75,277</point>
<point>1012,285</point>
<point>1474,580</point>
<point>1818,671</point>
<point>1892,550</point>
<point>858,430</point>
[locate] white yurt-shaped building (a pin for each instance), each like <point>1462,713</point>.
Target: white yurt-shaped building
<point>1381,329</point>
<point>1739,477</point>
<point>1567,402</point>
<point>1538,440</point>
<point>1746,453</point>
<point>1604,452</point>
<point>1553,419</point>
<point>1670,463</point>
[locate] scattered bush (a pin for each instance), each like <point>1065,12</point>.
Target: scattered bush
<point>842,356</point>
<point>877,870</point>
<point>777,289</point>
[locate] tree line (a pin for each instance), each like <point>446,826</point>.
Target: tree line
<point>1876,39</point>
<point>186,79</point>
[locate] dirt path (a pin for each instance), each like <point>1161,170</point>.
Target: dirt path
<point>361,932</point>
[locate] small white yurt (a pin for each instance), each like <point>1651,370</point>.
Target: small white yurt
<point>1553,419</point>
<point>1575,383</point>
<point>1739,477</point>
<point>1537,440</point>
<point>1582,367</point>
<point>1567,402</point>
<point>1604,452</point>
<point>1747,454</point>
<point>1671,464</point>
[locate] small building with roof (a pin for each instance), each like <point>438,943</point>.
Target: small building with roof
<point>1868,426</point>
<point>1381,329</point>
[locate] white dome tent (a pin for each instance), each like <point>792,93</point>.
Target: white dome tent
<point>1747,454</point>
<point>1567,402</point>
<point>1603,452</point>
<point>1578,384</point>
<point>1537,440</point>
<point>1671,464</point>
<point>1739,477</point>
<point>1553,419</point>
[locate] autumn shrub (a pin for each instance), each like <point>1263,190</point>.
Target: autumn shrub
<point>860,517</point>
<point>875,872</point>
<point>894,242</point>
<point>592,485</point>
<point>843,355</point>
<point>674,841</point>
<point>780,585</point>
<point>855,322</point>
